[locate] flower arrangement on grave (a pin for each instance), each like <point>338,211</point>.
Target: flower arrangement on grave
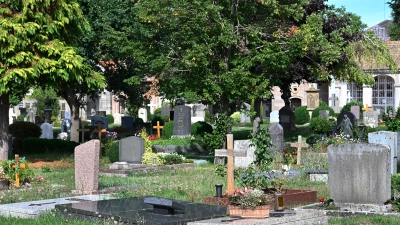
<point>247,198</point>
<point>11,168</point>
<point>110,138</point>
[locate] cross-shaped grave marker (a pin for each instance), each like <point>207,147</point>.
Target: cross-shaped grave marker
<point>158,127</point>
<point>230,153</point>
<point>366,108</point>
<point>83,132</point>
<point>299,145</point>
<point>151,107</point>
<point>19,165</point>
<point>99,130</point>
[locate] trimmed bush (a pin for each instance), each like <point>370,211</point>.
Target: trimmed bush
<point>172,159</point>
<point>45,146</point>
<point>113,152</point>
<point>139,120</point>
<point>315,112</point>
<point>110,118</point>
<point>320,125</point>
<point>301,115</point>
<point>168,130</point>
<point>200,128</point>
<point>236,117</point>
<point>21,130</point>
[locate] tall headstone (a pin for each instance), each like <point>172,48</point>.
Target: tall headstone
<point>371,118</point>
<point>244,162</point>
<point>356,110</point>
<point>312,98</point>
<point>127,122</point>
<point>87,157</point>
<point>346,123</point>
<point>243,117</point>
<point>103,121</point>
<point>276,134</point>
<point>182,120</point>
<point>165,108</point>
<point>47,131</point>
<point>274,117</point>
<point>324,113</point>
<point>390,139</point>
<point>286,119</point>
<point>131,150</point>
<point>359,173</point>
<point>143,114</point>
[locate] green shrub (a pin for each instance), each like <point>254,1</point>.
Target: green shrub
<point>347,107</point>
<point>21,117</point>
<point>315,112</point>
<point>172,159</point>
<point>236,117</point>
<point>139,120</point>
<point>113,152</point>
<point>158,111</point>
<point>26,175</point>
<point>301,115</point>
<point>45,146</point>
<point>168,130</point>
<point>155,119</point>
<point>110,118</point>
<point>320,125</point>
<point>21,130</point>
<point>200,128</point>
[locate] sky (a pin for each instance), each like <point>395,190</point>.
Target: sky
<point>371,12</point>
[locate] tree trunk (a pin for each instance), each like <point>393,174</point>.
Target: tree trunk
<point>4,124</point>
<point>74,106</point>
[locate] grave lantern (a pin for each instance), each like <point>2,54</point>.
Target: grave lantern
<point>312,99</point>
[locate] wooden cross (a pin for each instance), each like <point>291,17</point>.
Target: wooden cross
<point>158,127</point>
<point>366,108</point>
<point>299,145</point>
<point>83,132</point>
<point>230,153</point>
<point>99,130</point>
<point>21,165</point>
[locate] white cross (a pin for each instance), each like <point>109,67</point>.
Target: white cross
<point>151,107</point>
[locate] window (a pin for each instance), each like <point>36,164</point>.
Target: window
<point>383,93</point>
<point>63,106</point>
<point>354,93</point>
<point>294,103</point>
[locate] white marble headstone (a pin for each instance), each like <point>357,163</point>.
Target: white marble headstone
<point>47,131</point>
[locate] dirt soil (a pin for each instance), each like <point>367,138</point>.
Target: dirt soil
<point>51,164</point>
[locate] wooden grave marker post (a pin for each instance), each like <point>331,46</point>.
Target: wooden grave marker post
<point>366,108</point>
<point>83,130</point>
<point>99,130</point>
<point>299,145</point>
<point>158,127</point>
<point>230,153</point>
<point>20,165</point>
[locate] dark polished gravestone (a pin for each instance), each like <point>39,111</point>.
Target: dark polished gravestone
<point>136,211</point>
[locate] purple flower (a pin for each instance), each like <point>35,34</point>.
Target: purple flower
<point>27,184</point>
<point>348,135</point>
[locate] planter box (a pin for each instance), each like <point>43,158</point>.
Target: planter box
<point>294,197</point>
<point>258,212</point>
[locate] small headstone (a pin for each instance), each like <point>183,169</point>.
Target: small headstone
<point>127,122</point>
<point>103,121</point>
<point>274,117</point>
<point>286,119</point>
<point>117,118</point>
<point>143,114</point>
<point>346,123</point>
<point>359,173</point>
<point>67,115</point>
<point>182,120</point>
<point>356,110</point>
<point>244,162</point>
<point>131,149</point>
<point>390,139</point>
<point>371,118</point>
<point>47,131</point>
<point>324,113</point>
<point>87,167</point>
<point>276,134</point>
<point>165,108</point>
<point>243,117</point>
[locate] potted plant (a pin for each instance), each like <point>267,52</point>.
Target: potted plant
<point>248,203</point>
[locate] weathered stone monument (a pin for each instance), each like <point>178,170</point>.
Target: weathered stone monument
<point>286,119</point>
<point>244,162</point>
<point>371,118</point>
<point>182,120</point>
<point>324,113</point>
<point>244,118</point>
<point>276,134</point>
<point>131,150</point>
<point>346,123</point>
<point>96,119</point>
<point>143,114</point>
<point>47,131</point>
<point>87,156</point>
<point>390,139</point>
<point>127,122</point>
<point>312,99</point>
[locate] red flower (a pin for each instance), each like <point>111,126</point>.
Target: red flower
<point>321,200</point>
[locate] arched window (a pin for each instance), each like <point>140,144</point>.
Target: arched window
<point>354,93</point>
<point>383,94</point>
<point>294,103</point>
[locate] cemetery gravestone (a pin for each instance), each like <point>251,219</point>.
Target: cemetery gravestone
<point>127,122</point>
<point>346,122</point>
<point>198,113</point>
<point>371,118</point>
<point>276,134</point>
<point>390,139</point>
<point>117,118</point>
<point>87,157</point>
<point>101,113</point>
<point>182,120</point>
<point>274,117</point>
<point>299,145</point>
<point>244,162</point>
<point>103,121</point>
<point>359,173</point>
<point>143,114</point>
<point>165,108</point>
<point>31,116</point>
<point>47,131</point>
<point>324,113</point>
<point>11,116</point>
<point>131,149</point>
<point>286,119</point>
<point>356,110</point>
<point>243,117</point>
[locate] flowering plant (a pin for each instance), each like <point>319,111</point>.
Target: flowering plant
<point>247,198</point>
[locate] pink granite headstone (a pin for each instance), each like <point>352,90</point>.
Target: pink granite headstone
<point>87,167</point>
<point>356,110</point>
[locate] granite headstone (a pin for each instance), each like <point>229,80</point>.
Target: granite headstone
<point>356,110</point>
<point>47,131</point>
<point>244,118</point>
<point>103,121</point>
<point>87,167</point>
<point>182,120</point>
<point>131,149</point>
<point>286,119</point>
<point>127,122</point>
<point>276,134</point>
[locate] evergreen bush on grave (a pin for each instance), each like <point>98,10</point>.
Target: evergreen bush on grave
<point>301,115</point>
<point>168,130</point>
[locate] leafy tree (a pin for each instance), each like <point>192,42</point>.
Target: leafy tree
<point>37,39</point>
<point>41,96</point>
<point>394,27</point>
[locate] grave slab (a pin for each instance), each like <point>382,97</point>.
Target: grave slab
<point>136,211</point>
